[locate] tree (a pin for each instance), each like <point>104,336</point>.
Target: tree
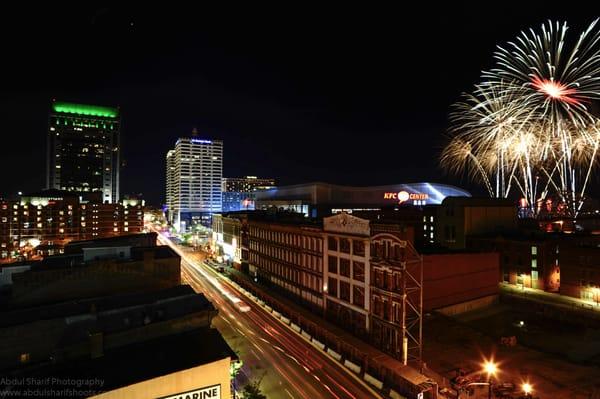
<point>252,390</point>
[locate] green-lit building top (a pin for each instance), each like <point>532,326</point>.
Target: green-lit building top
<point>85,109</point>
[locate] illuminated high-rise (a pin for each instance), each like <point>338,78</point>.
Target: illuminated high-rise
<point>239,192</point>
<point>83,152</point>
<point>194,174</point>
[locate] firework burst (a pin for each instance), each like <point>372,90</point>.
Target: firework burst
<point>528,126</point>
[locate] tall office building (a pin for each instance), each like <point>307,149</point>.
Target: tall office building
<point>194,175</point>
<point>239,192</point>
<point>83,149</point>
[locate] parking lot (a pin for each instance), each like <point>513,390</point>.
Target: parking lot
<point>559,361</point>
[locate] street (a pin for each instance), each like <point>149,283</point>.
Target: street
<point>290,367</point>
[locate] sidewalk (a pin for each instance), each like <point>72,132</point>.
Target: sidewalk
<point>549,298</point>
<point>369,359</point>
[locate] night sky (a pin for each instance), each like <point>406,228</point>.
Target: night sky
<point>350,96</point>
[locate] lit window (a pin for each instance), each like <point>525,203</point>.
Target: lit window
<point>534,250</point>
<point>116,229</point>
<point>61,230</point>
<point>24,358</point>
<point>431,219</point>
<point>39,225</point>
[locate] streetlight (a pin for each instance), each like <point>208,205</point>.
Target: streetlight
<point>527,389</point>
<point>491,369</point>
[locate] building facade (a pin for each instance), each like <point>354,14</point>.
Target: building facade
<point>288,255</point>
<point>194,178</point>
<point>318,200</point>
<point>239,193</point>
<point>347,282</point>
<point>41,224</point>
<point>83,150</point>
<point>364,275</point>
<point>457,218</point>
<point>226,240</point>
<point>565,264</point>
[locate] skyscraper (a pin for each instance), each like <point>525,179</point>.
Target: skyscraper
<point>239,192</point>
<point>194,174</point>
<point>83,152</point>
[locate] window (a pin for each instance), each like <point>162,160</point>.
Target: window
<point>534,250</point>
<point>358,296</point>
<point>359,247</point>
<point>345,245</point>
<point>533,263</point>
<point>345,291</point>
<point>332,287</point>
<point>332,264</point>
<point>24,358</point>
<point>332,242</point>
<point>344,267</point>
<point>358,271</point>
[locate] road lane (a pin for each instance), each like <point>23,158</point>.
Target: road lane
<point>294,368</point>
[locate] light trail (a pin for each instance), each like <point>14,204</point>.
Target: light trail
<point>283,344</point>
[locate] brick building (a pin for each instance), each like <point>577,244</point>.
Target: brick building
<point>565,264</point>
<point>364,275</point>
<point>288,254</point>
<point>40,224</point>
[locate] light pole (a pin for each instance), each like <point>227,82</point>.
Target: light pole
<point>490,368</point>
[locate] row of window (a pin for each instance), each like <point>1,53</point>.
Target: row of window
<point>291,239</point>
<point>282,253</point>
<point>290,274</point>
<point>353,294</point>
<point>345,267</point>
<point>346,245</point>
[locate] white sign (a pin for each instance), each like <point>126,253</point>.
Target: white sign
<point>213,392</point>
<point>344,223</point>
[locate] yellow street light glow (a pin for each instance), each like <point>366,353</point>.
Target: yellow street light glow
<point>527,388</point>
<point>490,368</point>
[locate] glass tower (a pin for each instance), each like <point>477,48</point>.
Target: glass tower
<point>83,152</point>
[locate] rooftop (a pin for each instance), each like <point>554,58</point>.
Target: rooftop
<point>85,109</point>
<point>133,240</point>
<point>77,259</point>
<point>83,306</point>
<point>138,362</point>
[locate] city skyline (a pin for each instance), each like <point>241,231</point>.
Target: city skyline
<point>276,101</point>
<point>262,203</point>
